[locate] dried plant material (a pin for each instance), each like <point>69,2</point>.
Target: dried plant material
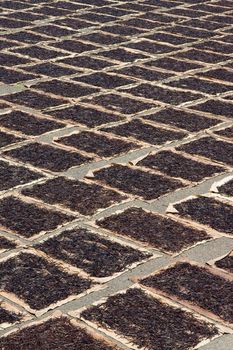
<point>85,61</point>
<point>164,95</point>
<point>33,99</point>
<point>196,285</point>
<point>221,183</point>
<point>226,187</point>
<point>65,89</point>
<point>8,139</point>
<point>13,175</point>
<point>7,316</point>
<point>207,211</point>
<point>182,119</point>
<point>228,133</point>
<point>53,334</point>
<point>50,69</point>
<point>98,144</point>
<point>10,76</point>
<point>28,123</point>
<point>137,182</point>
<point>145,132</point>
<point>94,254</point>
<point>27,219</point>
<point>104,80</point>
<point>176,165</point>
<point>216,107</point>
<point>122,55</point>
<point>6,244</point>
<point>211,148</point>
<point>38,52</point>
<point>75,195</point>
<point>73,46</point>
<point>143,73</point>
<point>149,323</point>
<point>201,85</point>
<point>119,103</point>
<point>153,230</point>
<point>82,115</point>
<point>47,157</point>
<point>225,263</point>
<point>38,282</point>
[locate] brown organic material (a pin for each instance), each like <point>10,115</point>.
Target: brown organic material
<point>33,99</point>
<point>149,323</point>
<point>12,175</point>
<point>96,143</point>
<point>8,139</point>
<point>28,124</point>
<point>83,115</point>
<point>151,47</point>
<point>215,107</point>
<point>12,60</point>
<point>10,76</point>
<point>50,69</point>
<point>96,255</point>
<point>208,211</point>
<point>86,62</point>
<point>137,182</point>
<point>173,97</point>
<point>182,119</point>
<point>228,132</point>
<point>28,219</point>
<point>227,188</point>
<point>38,52</point>
<point>8,316</point>
<point>176,165</point>
<point>157,231</point>
<point>226,263</point>
<point>119,103</point>
<point>143,73</point>
<point>6,244</point>
<point>74,46</point>
<point>210,148</point>
<point>199,55</point>
<point>173,65</point>
<point>74,194</point>
<point>65,89</point>
<point>145,132</point>
<point>122,55</point>
<point>201,85</point>
<point>104,80</point>
<point>59,334</point>
<point>38,282</point>
<point>47,157</point>
<point>219,74</point>
<point>196,285</point>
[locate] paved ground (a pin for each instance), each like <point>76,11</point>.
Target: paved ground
<point>116,142</point>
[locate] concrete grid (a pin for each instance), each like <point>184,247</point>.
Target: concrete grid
<point>155,77</point>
